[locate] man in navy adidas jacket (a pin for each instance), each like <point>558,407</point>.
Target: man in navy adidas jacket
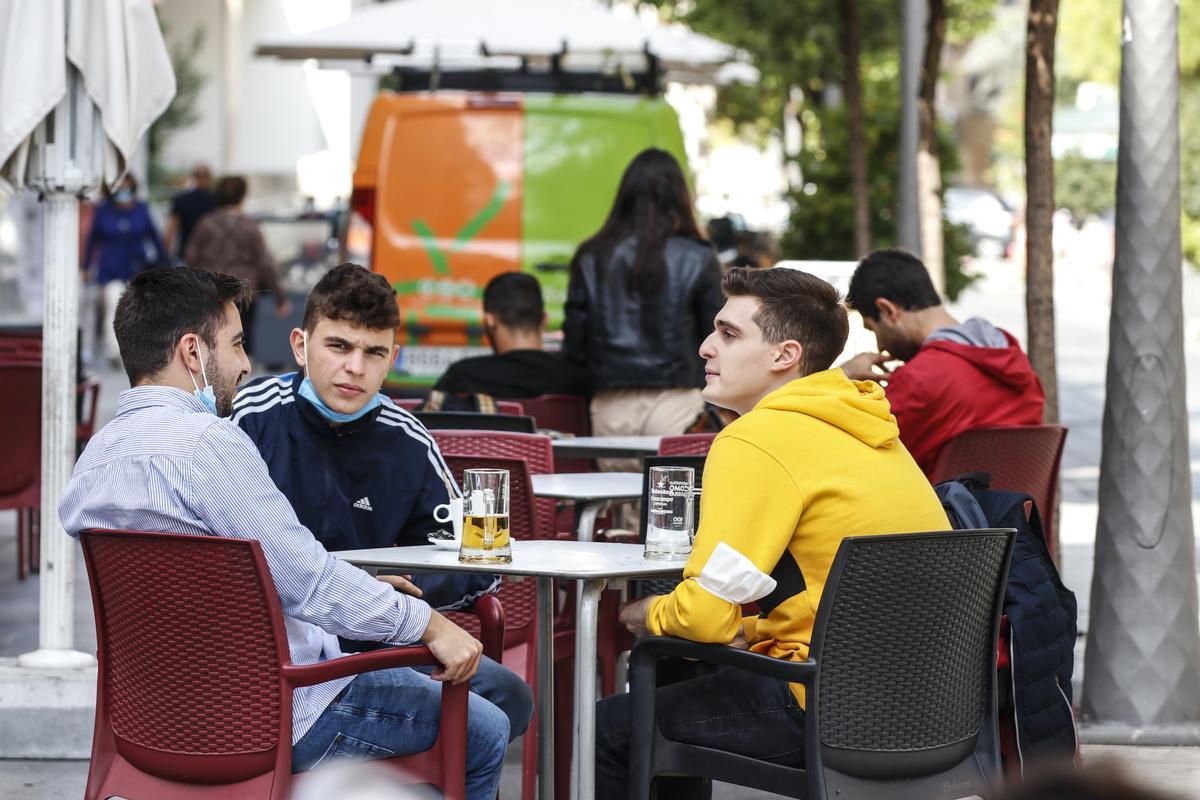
<point>359,471</point>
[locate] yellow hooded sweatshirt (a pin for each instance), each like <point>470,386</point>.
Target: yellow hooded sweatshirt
<point>815,461</point>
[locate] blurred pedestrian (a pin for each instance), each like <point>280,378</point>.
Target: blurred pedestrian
<point>642,297</point>
<point>121,243</point>
<point>230,241</point>
<point>187,208</point>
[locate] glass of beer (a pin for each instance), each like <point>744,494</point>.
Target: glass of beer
<point>485,535</point>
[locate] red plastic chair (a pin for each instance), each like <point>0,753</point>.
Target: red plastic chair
<point>21,466</point>
<point>687,444</point>
<point>194,694</point>
<point>1023,459</point>
<point>565,413</point>
<point>528,518</point>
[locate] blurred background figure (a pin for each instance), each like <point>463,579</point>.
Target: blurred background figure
<point>187,208</point>
<point>121,243</point>
<point>230,241</point>
<point>642,296</point>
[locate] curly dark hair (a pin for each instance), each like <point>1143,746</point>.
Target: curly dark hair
<point>354,294</point>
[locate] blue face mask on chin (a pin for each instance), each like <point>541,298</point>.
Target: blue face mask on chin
<point>206,396</point>
<point>309,393</point>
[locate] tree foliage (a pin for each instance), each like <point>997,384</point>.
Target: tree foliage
<point>795,43</point>
<point>182,112</point>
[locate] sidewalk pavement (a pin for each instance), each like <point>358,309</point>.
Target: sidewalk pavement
<point>1169,769</point>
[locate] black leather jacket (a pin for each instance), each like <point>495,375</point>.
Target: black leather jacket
<point>631,340</point>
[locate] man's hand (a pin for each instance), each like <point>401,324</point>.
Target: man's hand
<point>867,367</point>
<point>633,615</point>
<point>456,650</point>
<point>400,583</point>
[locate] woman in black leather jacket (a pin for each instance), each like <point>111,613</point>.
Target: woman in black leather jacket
<point>643,294</point>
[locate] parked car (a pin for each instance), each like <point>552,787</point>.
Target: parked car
<point>989,219</point>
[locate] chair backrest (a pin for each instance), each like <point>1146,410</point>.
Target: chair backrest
<point>470,421</point>
<point>408,403</point>
<point>1021,459</point>
<point>688,444</point>
<point>518,598</point>
<point>905,641</point>
<point>191,644</point>
<point>21,432</point>
<point>565,413</point>
<point>534,449</point>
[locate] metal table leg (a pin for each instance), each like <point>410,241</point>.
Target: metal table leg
<point>587,519</point>
<point>583,762</point>
<point>545,687</point>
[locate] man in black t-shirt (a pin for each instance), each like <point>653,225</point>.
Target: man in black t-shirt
<point>514,318</point>
<point>187,208</point>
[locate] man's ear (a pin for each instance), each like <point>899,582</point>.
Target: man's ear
<point>888,311</point>
<point>787,356</point>
<point>297,340</point>
<point>188,350</point>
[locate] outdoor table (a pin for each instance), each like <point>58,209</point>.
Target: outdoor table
<point>606,446</point>
<point>594,491</point>
<point>592,564</point>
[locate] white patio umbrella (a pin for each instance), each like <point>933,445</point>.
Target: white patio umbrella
<point>462,30</point>
<point>80,83</point>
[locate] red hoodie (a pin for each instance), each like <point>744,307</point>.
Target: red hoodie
<point>948,387</point>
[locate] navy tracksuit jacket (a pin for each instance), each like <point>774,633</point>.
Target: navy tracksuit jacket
<point>372,482</point>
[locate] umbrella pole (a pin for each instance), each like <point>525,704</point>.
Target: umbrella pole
<point>56,584</point>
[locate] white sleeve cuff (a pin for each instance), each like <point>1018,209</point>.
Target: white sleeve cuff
<point>732,577</point>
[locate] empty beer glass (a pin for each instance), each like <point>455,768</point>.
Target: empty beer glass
<point>485,533</point>
<point>669,521</point>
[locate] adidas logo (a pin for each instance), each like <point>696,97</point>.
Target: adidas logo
<point>364,503</point>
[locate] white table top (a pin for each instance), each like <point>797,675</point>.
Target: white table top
<point>547,559</point>
<point>586,486</point>
<point>606,446</point>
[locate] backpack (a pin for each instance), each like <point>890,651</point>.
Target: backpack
<point>1041,614</point>
<point>450,401</point>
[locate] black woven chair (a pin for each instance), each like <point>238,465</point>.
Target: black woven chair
<point>900,680</point>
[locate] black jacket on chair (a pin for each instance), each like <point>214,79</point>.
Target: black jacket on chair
<point>626,339</point>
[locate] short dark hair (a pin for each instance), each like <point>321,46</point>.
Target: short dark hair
<point>516,300</point>
<point>895,275</point>
<point>161,306</point>
<point>795,305</point>
<point>231,190</point>
<point>354,294</point>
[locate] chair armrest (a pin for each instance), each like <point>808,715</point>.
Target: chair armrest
<point>490,612</point>
<point>384,658</point>
<point>647,651</point>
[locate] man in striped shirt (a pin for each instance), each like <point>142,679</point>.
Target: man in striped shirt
<point>168,462</point>
<point>359,471</point>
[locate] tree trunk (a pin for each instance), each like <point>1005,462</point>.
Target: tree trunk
<point>1039,193</point>
<point>929,172</point>
<point>858,142</point>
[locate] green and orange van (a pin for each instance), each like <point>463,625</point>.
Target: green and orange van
<point>453,188</point>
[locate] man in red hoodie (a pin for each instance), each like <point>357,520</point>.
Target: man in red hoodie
<point>956,376</point>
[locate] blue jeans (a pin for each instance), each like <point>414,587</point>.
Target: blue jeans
<point>726,709</point>
<point>395,712</point>
<point>504,689</point>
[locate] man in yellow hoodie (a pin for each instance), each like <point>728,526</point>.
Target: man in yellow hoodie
<point>813,458</point>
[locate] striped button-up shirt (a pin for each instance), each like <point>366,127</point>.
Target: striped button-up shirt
<point>166,464</point>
